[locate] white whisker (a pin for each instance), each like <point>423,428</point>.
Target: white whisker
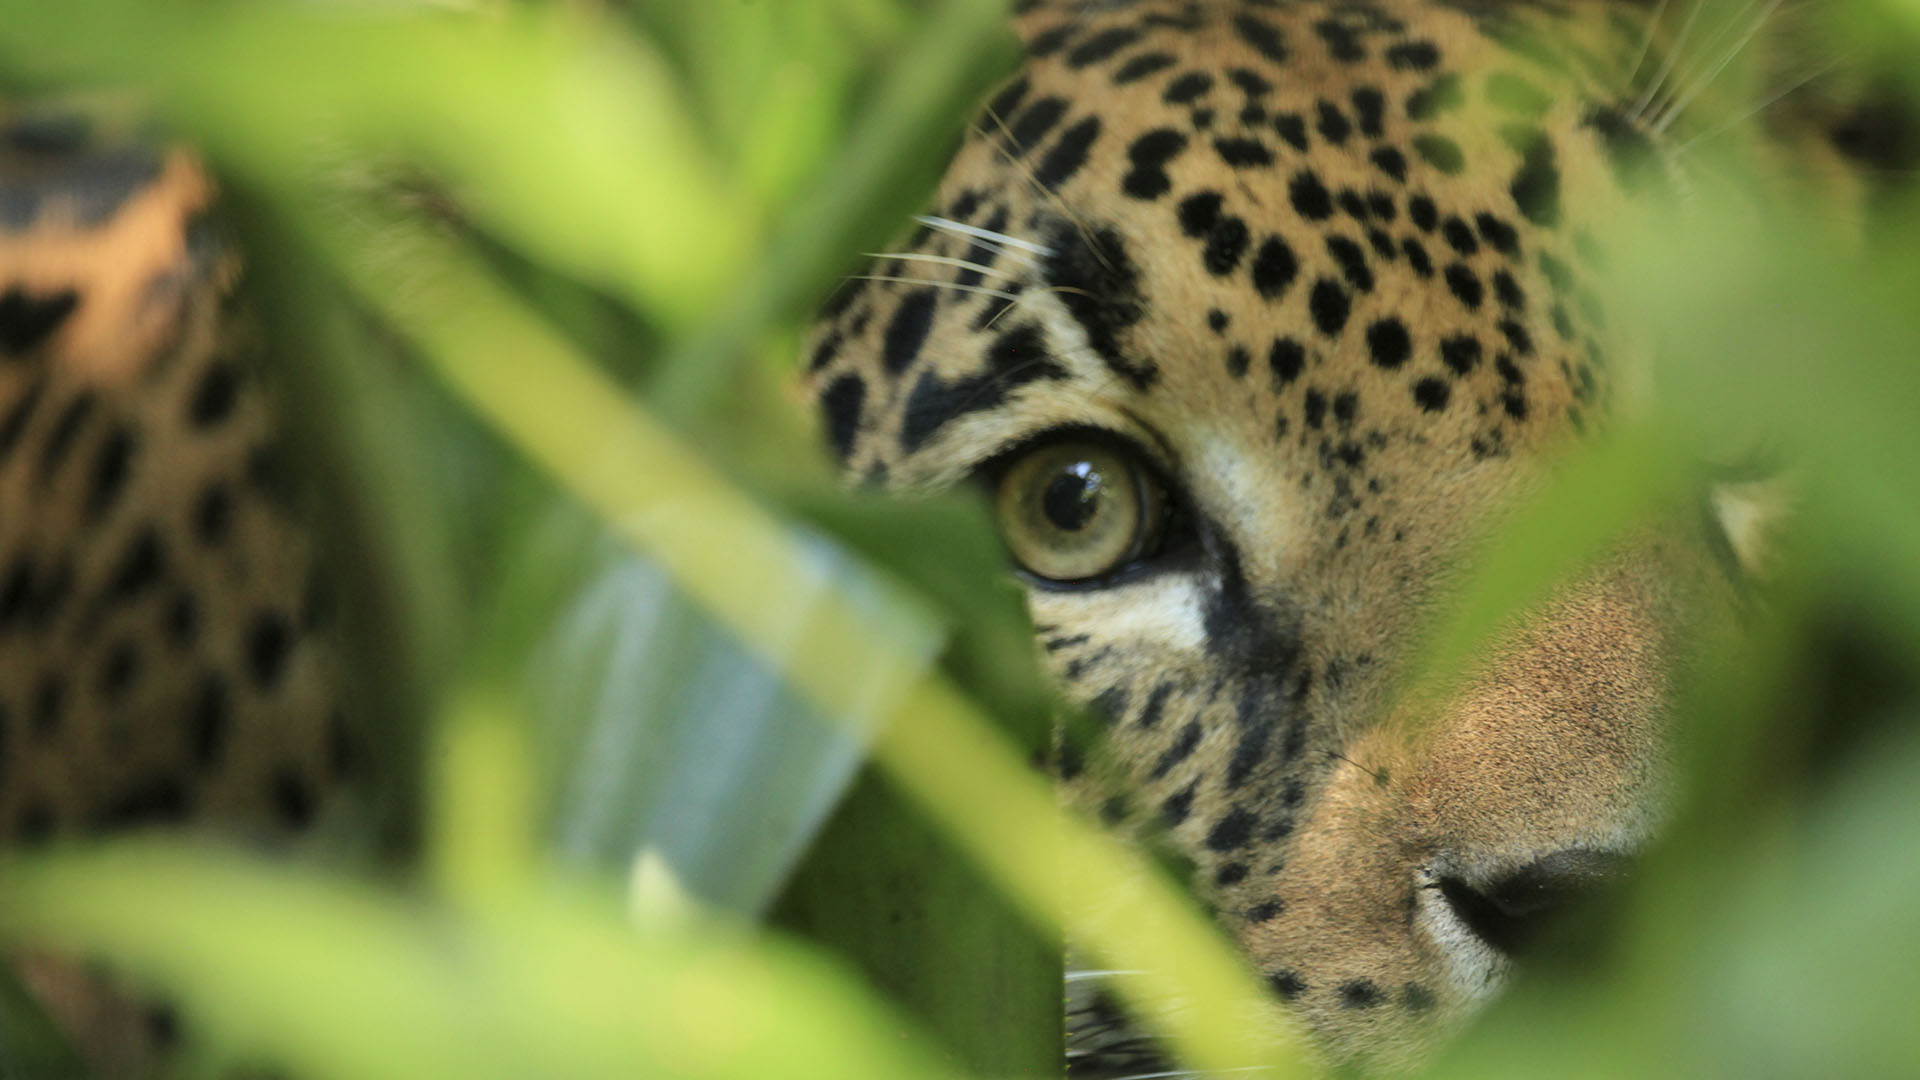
<point>1646,43</point>
<point>1686,97</point>
<point>954,285</point>
<point>1666,67</point>
<point>1001,242</point>
<point>1722,129</point>
<point>1098,973</point>
<point>942,260</point>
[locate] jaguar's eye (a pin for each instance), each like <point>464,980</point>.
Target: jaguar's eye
<point>1077,509</point>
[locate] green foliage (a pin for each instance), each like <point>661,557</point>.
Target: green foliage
<point>469,224</point>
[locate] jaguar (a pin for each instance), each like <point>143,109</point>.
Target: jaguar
<point>1252,318</point>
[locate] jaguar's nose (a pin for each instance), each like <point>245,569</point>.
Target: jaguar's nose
<point>1510,910</point>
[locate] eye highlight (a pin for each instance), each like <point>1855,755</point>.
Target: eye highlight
<point>1078,509</point>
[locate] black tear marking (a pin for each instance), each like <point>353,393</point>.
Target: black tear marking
<point>26,322</point>
<point>1015,358</point>
<point>1100,287</point>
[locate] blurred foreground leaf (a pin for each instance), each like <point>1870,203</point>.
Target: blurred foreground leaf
<point>338,980</point>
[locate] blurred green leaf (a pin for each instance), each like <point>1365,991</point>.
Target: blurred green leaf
<point>335,979</point>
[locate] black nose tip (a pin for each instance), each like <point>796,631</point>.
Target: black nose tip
<point>1509,912</point>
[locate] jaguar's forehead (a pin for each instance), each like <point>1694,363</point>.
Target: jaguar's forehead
<point>1305,230</point>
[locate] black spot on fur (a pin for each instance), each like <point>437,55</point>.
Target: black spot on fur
<point>1353,262</point>
<point>1156,704</point>
<point>1292,128</point>
<point>1142,66</point>
<point>1262,35</point>
<point>1242,153</point>
<point>14,424</point>
<point>1287,359</point>
<point>1460,353</point>
<point>1465,286</point>
<point>139,568</point>
<point>292,798</point>
<point>1238,361</point>
<point>1388,343</point>
<point>1183,746</point>
<point>1440,95</point>
<point>1310,197</point>
<point>1498,234</point>
<point>215,395</point>
<point>1033,123</point>
<point>1330,306</point>
<point>1416,254</point>
<point>1178,805</point>
<point>1102,46</point>
<point>1390,161</point>
<point>1060,163</point>
<point>1440,152</point>
<point>1232,831</point>
<point>840,405</point>
<point>1226,243</point>
<point>1536,186</point>
<point>1274,268</point>
<point>1149,155</point>
<point>269,644</point>
<point>1287,984</point>
<point>1414,56</point>
<point>1187,87</point>
<point>1265,912</point>
<point>1431,394</point>
<point>907,330</point>
<point>111,463</point>
<point>1333,124</point>
<point>1360,994</point>
<point>66,429</point>
<point>27,321</point>
<point>211,720</point>
<point>1459,236</point>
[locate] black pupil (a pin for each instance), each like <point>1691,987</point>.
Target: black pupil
<point>1073,496</point>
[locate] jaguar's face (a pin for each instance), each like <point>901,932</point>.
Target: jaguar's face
<point>1254,319</point>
